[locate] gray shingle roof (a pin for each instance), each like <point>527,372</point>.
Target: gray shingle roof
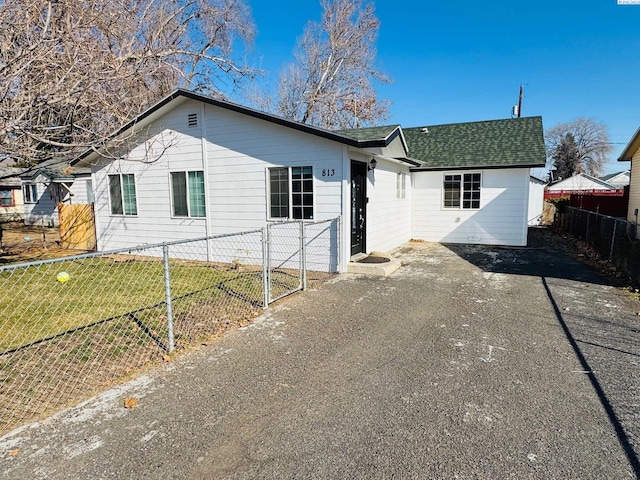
<point>514,142</point>
<point>369,133</point>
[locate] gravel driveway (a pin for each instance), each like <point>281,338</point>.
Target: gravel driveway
<point>469,362</point>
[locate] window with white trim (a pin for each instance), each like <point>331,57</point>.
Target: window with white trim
<point>6,198</point>
<point>122,194</point>
<point>290,193</point>
<point>401,185</point>
<point>187,194</point>
<point>462,190</point>
<point>30,193</point>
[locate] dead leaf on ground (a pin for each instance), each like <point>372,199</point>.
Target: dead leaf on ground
<point>130,402</point>
<point>14,452</point>
<point>166,358</point>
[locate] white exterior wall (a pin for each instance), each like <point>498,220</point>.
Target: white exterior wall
<point>536,201</point>
<point>388,217</point>
<point>577,182</point>
<point>239,150</point>
<point>501,220</point>
<point>634,189</point>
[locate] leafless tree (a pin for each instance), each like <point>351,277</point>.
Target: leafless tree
<point>73,71</point>
<point>591,140</point>
<point>331,82</point>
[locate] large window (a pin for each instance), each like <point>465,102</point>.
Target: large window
<point>188,194</point>
<point>122,194</point>
<point>462,190</point>
<point>30,193</point>
<point>291,193</point>
<point>6,198</point>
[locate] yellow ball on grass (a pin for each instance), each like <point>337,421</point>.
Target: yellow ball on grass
<point>63,277</point>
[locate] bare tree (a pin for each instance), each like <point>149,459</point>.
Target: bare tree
<point>331,82</point>
<point>591,140</point>
<point>73,71</point>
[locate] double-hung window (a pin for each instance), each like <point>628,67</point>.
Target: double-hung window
<point>122,194</point>
<point>462,190</point>
<point>30,192</point>
<point>187,193</point>
<point>291,193</point>
<point>6,198</point>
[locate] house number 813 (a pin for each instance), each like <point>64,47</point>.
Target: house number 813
<point>328,172</point>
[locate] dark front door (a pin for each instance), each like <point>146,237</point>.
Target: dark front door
<point>358,207</point>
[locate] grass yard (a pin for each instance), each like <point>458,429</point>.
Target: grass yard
<point>34,305</point>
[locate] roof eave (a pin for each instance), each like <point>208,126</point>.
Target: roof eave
<point>631,148</point>
<point>476,167</point>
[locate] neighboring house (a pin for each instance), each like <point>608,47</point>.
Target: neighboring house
<point>198,166</point>
<point>631,153</point>
<point>536,200</point>
<point>50,183</point>
<point>11,205</point>
<point>617,180</point>
<point>580,183</point>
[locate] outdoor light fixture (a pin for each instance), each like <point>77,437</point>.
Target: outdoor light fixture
<point>372,164</point>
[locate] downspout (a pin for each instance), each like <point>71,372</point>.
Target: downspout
<point>205,171</point>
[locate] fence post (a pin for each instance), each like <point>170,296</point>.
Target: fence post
<point>303,257</point>
<point>613,238</point>
<point>265,267</point>
<point>167,292</point>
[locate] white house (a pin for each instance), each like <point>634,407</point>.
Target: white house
<point>618,179</point>
<point>580,182</point>
<point>536,200</point>
<point>11,204</point>
<point>197,166</point>
<point>50,183</point>
<point>631,153</point>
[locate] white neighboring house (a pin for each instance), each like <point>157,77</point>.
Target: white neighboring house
<point>631,153</point>
<point>52,182</point>
<point>617,180</point>
<point>11,205</point>
<point>581,182</point>
<point>199,166</point>
<point>536,200</point>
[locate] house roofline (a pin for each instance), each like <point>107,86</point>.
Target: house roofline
<point>631,148</point>
<point>317,131</point>
<point>476,167</point>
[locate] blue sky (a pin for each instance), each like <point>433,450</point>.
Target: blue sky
<point>459,61</point>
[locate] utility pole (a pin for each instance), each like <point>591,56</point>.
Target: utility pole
<point>520,101</point>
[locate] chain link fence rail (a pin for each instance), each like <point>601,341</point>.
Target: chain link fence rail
<point>614,238</point>
<point>73,326</point>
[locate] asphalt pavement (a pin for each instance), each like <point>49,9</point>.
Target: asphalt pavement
<point>468,362</point>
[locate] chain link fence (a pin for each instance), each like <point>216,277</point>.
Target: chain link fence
<point>614,238</point>
<point>73,326</point>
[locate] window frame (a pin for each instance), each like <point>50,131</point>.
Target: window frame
<point>188,200</point>
<point>401,185</point>
<point>11,196</point>
<point>291,194</point>
<point>122,196</point>
<point>30,192</point>
<point>467,187</point>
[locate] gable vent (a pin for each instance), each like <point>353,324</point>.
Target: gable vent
<point>193,120</point>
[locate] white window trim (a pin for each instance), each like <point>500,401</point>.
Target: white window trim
<point>135,186</point>
<point>189,216</point>
<point>401,185</point>
<point>32,187</point>
<point>289,179</point>
<point>462,174</point>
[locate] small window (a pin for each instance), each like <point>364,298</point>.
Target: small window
<point>291,193</point>
<point>192,120</point>
<point>6,198</point>
<point>122,194</point>
<point>30,193</point>
<point>462,191</point>
<point>188,194</point>
<point>401,185</point>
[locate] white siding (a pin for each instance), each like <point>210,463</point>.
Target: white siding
<point>536,201</point>
<point>388,217</point>
<point>634,189</point>
<point>239,149</point>
<point>501,220</point>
